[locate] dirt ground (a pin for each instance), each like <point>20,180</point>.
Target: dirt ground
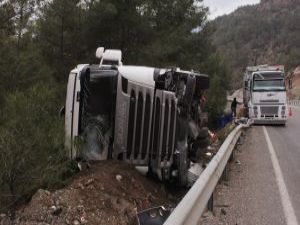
<point>108,193</point>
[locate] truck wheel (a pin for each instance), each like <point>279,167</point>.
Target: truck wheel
<point>183,164</point>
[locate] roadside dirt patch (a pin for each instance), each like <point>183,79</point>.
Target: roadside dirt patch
<point>109,193</point>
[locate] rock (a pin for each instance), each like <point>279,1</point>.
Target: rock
<point>119,177</point>
<point>80,185</point>
<point>76,222</point>
<point>2,215</point>
<point>80,208</point>
<point>207,214</point>
<point>223,211</point>
<point>238,162</point>
<point>89,182</point>
<point>56,210</point>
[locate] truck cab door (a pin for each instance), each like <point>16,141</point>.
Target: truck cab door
<point>72,111</point>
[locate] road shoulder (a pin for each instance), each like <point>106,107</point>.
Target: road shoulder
<point>251,195</point>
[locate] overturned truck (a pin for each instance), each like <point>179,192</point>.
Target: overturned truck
<point>141,115</point>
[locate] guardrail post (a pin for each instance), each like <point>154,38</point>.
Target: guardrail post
<point>225,174</point>
<point>210,203</point>
<point>232,156</point>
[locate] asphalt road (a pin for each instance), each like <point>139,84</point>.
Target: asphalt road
<point>286,143</point>
<point>264,184</point>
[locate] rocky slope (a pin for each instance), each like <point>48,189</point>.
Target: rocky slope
<point>108,193</point>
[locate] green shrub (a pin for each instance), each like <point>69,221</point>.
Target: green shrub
<point>32,155</point>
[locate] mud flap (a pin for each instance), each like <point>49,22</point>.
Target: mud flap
<point>183,164</point>
<point>182,152</point>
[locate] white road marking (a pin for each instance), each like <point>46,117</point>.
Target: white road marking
<point>288,209</point>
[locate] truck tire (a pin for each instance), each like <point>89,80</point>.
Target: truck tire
<point>183,163</point>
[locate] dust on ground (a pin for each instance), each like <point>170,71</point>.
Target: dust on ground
<point>109,192</point>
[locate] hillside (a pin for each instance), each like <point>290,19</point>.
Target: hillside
<point>268,32</point>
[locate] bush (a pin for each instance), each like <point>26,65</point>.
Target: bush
<point>32,155</point>
<point>217,68</point>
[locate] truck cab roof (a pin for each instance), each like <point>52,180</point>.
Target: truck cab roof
<point>265,68</point>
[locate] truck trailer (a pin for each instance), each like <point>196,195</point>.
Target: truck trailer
<point>141,115</point>
<point>264,94</point>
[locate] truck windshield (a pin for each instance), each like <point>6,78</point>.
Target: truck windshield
<point>269,85</point>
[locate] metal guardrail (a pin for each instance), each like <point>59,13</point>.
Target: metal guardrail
<point>294,102</point>
<point>191,207</point>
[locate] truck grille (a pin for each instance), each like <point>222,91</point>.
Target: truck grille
<point>269,101</point>
<point>146,138</point>
<point>139,127</point>
<point>269,110</point>
<point>164,124</point>
<point>145,125</point>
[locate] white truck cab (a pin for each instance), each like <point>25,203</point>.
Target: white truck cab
<point>265,94</point>
<point>144,116</point>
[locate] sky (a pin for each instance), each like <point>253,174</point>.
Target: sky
<point>221,7</point>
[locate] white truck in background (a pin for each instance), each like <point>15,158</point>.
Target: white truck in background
<point>264,94</point>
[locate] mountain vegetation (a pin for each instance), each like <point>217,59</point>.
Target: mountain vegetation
<point>41,41</point>
<point>266,33</point>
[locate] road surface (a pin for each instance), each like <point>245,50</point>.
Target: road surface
<point>264,184</point>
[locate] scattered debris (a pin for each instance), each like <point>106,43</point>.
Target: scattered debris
<point>238,162</point>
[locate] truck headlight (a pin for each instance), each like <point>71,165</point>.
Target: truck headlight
<point>255,111</point>
<point>283,111</point>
